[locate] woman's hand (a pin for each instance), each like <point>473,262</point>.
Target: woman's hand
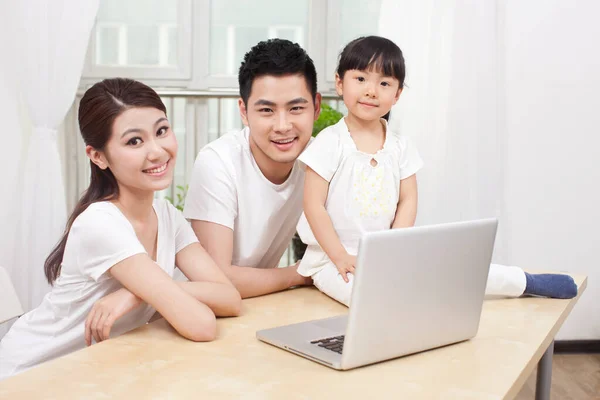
<point>345,264</point>
<point>106,312</point>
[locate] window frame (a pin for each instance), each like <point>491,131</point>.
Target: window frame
<point>171,76</point>
<point>193,69</point>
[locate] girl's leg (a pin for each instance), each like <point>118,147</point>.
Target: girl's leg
<point>505,281</point>
<point>514,282</point>
<point>329,281</point>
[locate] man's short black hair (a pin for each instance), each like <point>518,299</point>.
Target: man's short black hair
<point>277,57</point>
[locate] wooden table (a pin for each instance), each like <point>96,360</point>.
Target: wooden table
<point>155,362</point>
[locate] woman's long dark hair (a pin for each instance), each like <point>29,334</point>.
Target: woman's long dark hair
<point>100,106</point>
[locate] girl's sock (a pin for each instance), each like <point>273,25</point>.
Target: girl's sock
<point>550,285</point>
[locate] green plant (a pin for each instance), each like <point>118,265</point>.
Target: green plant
<point>180,193</point>
<point>329,116</point>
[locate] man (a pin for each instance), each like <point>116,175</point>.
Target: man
<point>245,195</point>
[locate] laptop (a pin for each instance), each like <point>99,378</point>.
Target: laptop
<point>414,289</point>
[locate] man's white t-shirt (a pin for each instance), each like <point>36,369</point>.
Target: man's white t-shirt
<point>100,237</point>
<point>229,189</point>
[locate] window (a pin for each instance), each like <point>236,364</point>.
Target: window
<point>232,34</point>
<point>199,44</point>
<point>143,39</point>
<point>347,20</point>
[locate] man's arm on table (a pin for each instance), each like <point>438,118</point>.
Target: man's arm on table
<point>250,282</point>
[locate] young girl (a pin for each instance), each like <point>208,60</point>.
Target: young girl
<point>111,271</point>
<point>361,178</point>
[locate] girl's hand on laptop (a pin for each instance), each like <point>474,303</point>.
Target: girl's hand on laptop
<point>345,264</point>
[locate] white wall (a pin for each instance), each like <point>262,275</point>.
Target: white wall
<point>551,76</point>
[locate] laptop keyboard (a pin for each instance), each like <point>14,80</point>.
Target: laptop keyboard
<point>335,343</point>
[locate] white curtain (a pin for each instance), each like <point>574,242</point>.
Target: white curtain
<point>450,105</point>
<point>52,37</point>
<point>12,154</point>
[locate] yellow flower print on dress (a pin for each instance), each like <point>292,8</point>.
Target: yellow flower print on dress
<point>371,196</point>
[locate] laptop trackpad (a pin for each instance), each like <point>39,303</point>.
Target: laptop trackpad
<point>335,324</point>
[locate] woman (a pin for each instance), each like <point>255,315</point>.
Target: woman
<point>112,269</point>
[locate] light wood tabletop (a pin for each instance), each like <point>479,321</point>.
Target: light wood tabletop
<point>155,362</point>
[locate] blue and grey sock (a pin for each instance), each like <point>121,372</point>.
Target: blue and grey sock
<point>557,286</point>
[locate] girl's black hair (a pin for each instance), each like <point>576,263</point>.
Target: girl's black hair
<point>373,52</point>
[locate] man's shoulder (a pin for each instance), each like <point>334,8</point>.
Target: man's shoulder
<point>225,153</point>
<point>229,144</point>
<point>223,159</point>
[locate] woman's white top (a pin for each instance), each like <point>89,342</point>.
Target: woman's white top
<point>100,237</point>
